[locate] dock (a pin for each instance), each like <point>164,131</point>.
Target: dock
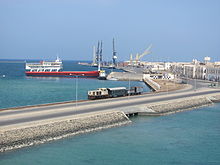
<point>125,76</point>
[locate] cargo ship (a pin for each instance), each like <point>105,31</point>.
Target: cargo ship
<point>54,69</point>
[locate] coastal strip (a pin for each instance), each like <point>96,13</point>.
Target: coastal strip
<point>178,106</point>
<point>156,85</point>
<point>32,132</point>
<point>172,106</point>
<point>31,135</point>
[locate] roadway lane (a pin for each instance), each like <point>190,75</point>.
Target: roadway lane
<point>97,106</point>
<point>199,85</point>
<point>85,102</point>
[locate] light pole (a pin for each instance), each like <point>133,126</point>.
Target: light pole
<point>76,89</point>
<point>129,85</point>
<point>195,84</point>
<point>195,77</point>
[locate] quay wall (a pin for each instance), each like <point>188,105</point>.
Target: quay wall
<point>152,84</point>
<point>125,76</point>
<point>27,136</point>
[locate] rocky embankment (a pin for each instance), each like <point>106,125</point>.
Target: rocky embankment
<point>177,106</point>
<point>27,136</point>
<point>215,99</point>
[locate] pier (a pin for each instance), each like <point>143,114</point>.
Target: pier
<point>156,85</point>
<point>151,84</point>
<point>125,76</point>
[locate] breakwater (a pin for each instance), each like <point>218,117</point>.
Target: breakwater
<point>178,106</point>
<point>172,106</point>
<point>31,135</point>
<point>215,99</point>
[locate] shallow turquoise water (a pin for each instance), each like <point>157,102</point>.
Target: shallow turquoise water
<point>190,137</point>
<point>18,90</point>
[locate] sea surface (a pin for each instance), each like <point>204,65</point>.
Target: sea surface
<point>186,138</point>
<point>16,89</point>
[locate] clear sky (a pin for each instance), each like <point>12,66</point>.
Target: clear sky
<point>179,30</point>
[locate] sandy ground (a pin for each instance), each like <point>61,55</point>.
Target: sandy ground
<point>167,85</point>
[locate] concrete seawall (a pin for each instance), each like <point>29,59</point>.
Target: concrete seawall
<point>151,84</point>
<point>31,135</point>
<point>125,76</point>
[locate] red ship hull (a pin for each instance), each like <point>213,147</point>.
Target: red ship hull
<point>65,74</point>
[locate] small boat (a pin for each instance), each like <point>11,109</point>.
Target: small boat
<point>102,75</point>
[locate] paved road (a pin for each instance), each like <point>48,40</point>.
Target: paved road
<point>10,117</point>
<point>88,102</point>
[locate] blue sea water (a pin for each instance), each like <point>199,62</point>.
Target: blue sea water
<point>190,137</point>
<point>16,89</point>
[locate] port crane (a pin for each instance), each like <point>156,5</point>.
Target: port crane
<point>114,57</point>
<point>139,56</point>
<point>99,55</point>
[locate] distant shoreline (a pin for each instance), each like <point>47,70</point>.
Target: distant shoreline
<point>24,60</point>
<point>12,61</point>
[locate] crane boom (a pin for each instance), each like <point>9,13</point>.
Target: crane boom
<point>146,52</point>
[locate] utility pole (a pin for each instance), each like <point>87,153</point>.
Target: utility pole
<point>76,90</point>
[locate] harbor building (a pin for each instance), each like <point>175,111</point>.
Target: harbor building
<point>205,70</point>
<point>197,70</point>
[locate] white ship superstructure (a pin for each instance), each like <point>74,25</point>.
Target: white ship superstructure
<point>45,66</point>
